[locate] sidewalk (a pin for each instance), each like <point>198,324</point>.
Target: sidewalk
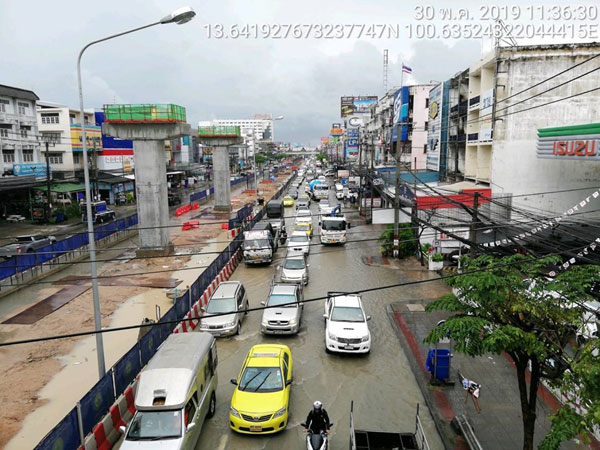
<point>499,424</point>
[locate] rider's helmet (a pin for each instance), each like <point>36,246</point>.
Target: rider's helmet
<point>317,406</point>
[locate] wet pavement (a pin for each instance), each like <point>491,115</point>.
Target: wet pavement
<point>382,384</point>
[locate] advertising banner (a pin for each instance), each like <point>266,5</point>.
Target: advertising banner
<point>486,105</point>
<point>37,169</point>
<point>357,105</point>
<point>352,142</point>
<point>336,131</point>
<point>324,140</point>
<point>434,128</point>
<point>93,135</point>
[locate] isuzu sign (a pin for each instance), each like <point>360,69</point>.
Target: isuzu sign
<point>573,143</point>
<point>354,122</point>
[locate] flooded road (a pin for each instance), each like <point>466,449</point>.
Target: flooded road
<point>381,384</point>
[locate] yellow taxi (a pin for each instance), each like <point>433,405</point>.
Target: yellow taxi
<point>260,401</point>
<point>303,226</point>
<point>288,200</point>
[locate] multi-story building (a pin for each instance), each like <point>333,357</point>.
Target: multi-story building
<point>414,125</point>
<point>60,126</point>
<point>18,128</point>
<point>255,130</point>
<point>512,93</point>
<point>457,124</point>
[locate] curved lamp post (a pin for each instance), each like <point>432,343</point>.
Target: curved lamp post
<point>179,16</point>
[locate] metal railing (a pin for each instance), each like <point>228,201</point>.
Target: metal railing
<point>219,131</point>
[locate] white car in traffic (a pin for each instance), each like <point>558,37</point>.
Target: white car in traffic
<point>298,244</point>
<point>346,329</point>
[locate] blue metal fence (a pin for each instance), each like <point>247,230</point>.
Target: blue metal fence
<point>64,436</point>
<point>126,369</point>
<point>96,403</point>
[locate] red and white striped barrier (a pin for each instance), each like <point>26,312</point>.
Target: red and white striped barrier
<point>195,313</point>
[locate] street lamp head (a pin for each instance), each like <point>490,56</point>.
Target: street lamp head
<point>179,16</point>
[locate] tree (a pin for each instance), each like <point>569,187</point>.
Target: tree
<point>510,305</point>
<point>260,159</point>
<point>321,156</point>
<point>406,240</point>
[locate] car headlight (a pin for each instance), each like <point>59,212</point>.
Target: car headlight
<point>264,323</point>
<point>293,322</point>
<point>332,336</point>
<point>203,325</point>
<point>364,338</point>
<point>233,412</point>
<point>230,324</point>
<point>280,412</point>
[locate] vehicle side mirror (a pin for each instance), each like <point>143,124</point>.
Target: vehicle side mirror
<point>368,317</point>
<point>288,382</point>
<point>263,303</point>
<point>122,429</point>
<point>233,381</point>
<point>190,427</point>
<point>203,309</point>
<point>308,265</point>
<point>324,316</point>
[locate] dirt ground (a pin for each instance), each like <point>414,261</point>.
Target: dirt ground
<point>27,368</point>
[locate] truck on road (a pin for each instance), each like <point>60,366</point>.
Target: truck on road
<point>275,216</point>
<point>26,244</point>
<point>100,212</point>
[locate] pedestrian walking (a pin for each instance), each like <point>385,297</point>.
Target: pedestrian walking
<point>473,390</point>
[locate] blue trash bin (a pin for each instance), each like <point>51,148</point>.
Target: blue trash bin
<point>442,363</point>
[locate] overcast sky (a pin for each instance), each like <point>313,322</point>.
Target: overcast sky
<point>301,79</point>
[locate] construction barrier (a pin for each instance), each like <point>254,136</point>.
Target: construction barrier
<point>190,224</point>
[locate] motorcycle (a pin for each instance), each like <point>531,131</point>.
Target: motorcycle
<point>316,441</point>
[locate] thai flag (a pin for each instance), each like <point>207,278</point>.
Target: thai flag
<point>406,69</point>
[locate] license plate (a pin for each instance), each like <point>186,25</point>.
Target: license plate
<point>278,331</point>
<point>348,347</point>
<point>333,241</point>
<point>256,256</point>
<point>255,428</point>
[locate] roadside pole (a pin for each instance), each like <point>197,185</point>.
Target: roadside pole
<point>48,183</point>
<point>414,212</point>
<point>397,193</point>
<point>473,226</point>
<point>360,145</point>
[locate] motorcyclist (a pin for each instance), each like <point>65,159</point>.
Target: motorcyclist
<point>317,420</point>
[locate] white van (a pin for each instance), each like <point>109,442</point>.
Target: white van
<point>175,393</point>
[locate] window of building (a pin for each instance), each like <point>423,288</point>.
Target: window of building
<point>23,132</point>
<point>27,156</point>
<point>55,158</point>
<point>72,118</point>
<point>425,148</point>
<point>48,118</point>
<point>76,158</point>
<point>23,108</point>
<point>426,125</point>
<point>8,156</point>
<point>427,102</point>
<point>3,104</point>
<point>51,137</point>
<point>4,130</point>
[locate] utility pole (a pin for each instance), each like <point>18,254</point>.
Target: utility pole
<point>397,192</point>
<point>48,182</point>
<point>360,176</point>
<point>414,211</point>
<point>473,226</point>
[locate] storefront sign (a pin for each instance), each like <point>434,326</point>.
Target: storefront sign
<point>572,143</point>
<point>37,169</point>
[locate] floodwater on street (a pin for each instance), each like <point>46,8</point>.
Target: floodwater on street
<point>382,385</point>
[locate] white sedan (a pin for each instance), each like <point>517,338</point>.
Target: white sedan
<point>346,329</point>
<point>298,244</point>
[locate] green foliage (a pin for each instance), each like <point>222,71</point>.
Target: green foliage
<point>406,244</point>
<point>260,159</point>
<point>509,305</point>
<point>130,197</point>
<point>437,257</point>
<point>321,156</point>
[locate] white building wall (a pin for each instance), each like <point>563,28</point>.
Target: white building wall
<point>420,116</point>
<point>16,118</point>
<point>515,166</point>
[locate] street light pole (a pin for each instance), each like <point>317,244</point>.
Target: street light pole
<point>179,16</point>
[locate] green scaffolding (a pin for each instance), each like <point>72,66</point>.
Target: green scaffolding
<point>144,113</point>
<point>222,131</point>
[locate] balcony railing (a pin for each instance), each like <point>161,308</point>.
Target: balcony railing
<point>472,136</point>
<point>474,101</point>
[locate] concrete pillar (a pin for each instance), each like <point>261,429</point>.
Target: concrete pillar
<point>221,179</point>
<point>152,195</point>
<point>150,179</point>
